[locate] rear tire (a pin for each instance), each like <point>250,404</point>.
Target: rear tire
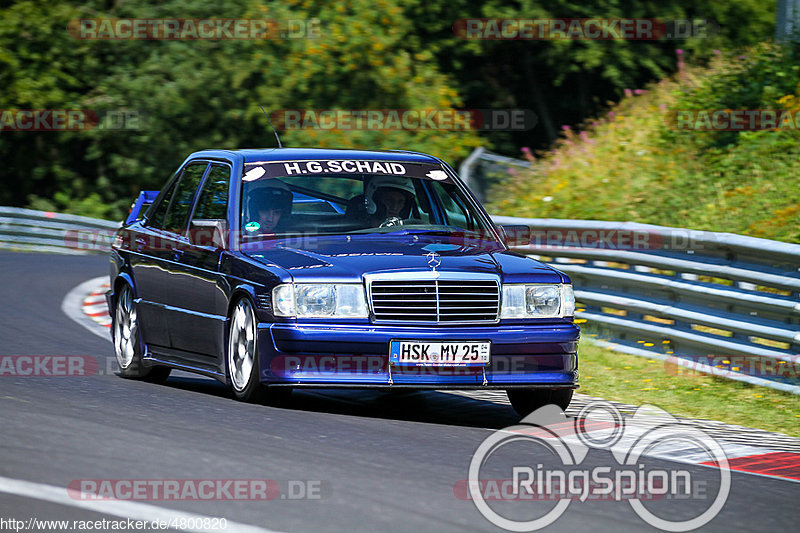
<point>128,341</point>
<point>526,401</point>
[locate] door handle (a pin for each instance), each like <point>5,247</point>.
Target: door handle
<point>174,249</point>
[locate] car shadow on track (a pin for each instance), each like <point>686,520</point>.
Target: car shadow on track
<point>410,405</point>
<point>427,406</point>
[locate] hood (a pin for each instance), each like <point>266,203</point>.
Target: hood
<point>339,259</point>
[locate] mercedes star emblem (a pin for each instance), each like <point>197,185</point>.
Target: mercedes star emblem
<point>434,260</point>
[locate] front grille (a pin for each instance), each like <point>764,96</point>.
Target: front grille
<point>435,300</point>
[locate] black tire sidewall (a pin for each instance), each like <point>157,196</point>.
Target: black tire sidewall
<point>254,391</point>
<point>526,401</point>
<point>136,368</point>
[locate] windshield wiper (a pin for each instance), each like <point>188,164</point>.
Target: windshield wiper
<point>449,232</point>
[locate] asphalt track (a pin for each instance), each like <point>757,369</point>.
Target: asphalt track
<point>384,461</point>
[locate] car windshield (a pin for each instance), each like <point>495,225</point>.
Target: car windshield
<point>354,197</point>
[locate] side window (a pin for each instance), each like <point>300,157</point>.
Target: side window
<point>213,202</point>
<point>455,212</point>
<point>159,212</point>
<point>178,214</point>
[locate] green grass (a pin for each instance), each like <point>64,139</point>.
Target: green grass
<point>632,164</point>
<point>637,380</point>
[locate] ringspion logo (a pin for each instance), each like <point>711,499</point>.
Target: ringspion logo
<point>557,446</point>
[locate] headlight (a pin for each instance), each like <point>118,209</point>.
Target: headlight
<point>537,301</point>
<point>568,302</point>
<point>319,300</point>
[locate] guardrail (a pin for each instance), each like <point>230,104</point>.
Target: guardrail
<point>44,231</point>
<point>481,167</point>
<point>717,303</point>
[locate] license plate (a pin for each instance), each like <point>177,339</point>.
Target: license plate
<point>424,353</point>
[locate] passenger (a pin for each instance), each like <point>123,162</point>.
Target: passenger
<point>271,207</point>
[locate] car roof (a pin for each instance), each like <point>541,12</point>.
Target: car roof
<point>253,155</point>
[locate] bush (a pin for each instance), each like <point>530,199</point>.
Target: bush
<point>632,164</point>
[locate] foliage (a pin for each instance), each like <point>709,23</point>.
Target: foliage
<point>382,54</point>
<point>632,164</point>
<point>88,206</point>
<point>198,94</point>
<point>565,82</point>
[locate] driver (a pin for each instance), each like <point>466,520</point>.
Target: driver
<point>389,197</point>
<point>271,206</point>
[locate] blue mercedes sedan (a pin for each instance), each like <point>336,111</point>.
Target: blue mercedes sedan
<point>276,269</point>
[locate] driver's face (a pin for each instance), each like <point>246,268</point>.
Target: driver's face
<point>269,219</point>
<point>393,200</point>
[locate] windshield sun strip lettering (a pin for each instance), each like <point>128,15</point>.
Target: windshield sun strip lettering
<point>311,167</point>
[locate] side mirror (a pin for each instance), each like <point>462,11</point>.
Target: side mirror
<point>209,232</point>
<point>140,205</point>
<point>515,236</point>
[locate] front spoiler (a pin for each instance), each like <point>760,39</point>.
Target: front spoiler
<point>356,356</point>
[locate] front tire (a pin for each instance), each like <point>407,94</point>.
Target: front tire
<point>526,401</point>
<point>242,354</point>
<point>128,343</point>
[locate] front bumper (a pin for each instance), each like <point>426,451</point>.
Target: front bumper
<point>357,355</point>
